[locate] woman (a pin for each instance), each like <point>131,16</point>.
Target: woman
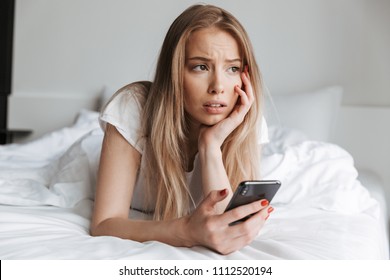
<point>178,147</point>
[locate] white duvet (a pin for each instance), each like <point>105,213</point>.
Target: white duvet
<point>321,211</point>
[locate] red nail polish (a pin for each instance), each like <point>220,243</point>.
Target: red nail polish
<point>264,202</point>
<point>223,192</point>
<point>270,209</point>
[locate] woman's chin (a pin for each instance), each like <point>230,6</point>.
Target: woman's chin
<point>212,121</point>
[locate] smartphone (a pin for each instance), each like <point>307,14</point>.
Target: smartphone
<point>250,191</point>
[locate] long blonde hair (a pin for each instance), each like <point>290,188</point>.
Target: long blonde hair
<point>164,124</point>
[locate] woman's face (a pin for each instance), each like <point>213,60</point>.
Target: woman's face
<point>212,70</point>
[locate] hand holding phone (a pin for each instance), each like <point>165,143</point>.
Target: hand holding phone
<point>250,191</point>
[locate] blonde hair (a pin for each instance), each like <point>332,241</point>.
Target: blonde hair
<point>164,123</point>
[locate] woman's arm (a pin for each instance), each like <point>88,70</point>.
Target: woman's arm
<point>214,175</point>
<point>211,139</point>
<point>119,164</point>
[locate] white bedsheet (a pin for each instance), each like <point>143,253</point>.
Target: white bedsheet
<point>321,211</point>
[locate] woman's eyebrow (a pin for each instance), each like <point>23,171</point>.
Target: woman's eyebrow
<point>233,60</point>
<point>201,58</point>
<point>205,59</point>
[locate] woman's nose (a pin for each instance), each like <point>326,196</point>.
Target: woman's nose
<point>216,84</point>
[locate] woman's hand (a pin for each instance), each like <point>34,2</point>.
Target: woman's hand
<point>216,134</point>
<point>206,228</point>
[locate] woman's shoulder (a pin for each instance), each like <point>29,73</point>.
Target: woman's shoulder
<point>136,91</point>
<point>124,111</point>
<point>127,102</point>
<point>140,88</point>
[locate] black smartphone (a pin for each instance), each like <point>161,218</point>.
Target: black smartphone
<point>250,191</point>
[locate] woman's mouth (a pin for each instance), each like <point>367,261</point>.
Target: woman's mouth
<point>215,107</point>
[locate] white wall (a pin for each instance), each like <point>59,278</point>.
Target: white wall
<point>80,45</point>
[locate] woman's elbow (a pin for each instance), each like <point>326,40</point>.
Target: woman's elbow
<point>95,229</point>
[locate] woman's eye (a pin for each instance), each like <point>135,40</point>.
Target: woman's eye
<point>234,69</point>
<point>200,67</point>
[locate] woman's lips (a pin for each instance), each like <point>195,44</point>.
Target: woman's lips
<point>215,107</point>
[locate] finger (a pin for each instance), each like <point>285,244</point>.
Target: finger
<point>243,107</point>
<point>270,209</point>
<point>264,213</point>
<point>247,83</point>
<point>252,226</point>
<point>243,211</point>
<point>213,198</point>
<point>244,100</point>
<point>248,237</point>
<point>247,230</point>
<point>246,95</point>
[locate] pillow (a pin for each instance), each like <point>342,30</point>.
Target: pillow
<point>313,113</point>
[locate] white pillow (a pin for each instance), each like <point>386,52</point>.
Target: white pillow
<point>313,113</point>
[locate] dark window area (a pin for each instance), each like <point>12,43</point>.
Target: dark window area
<point>6,39</point>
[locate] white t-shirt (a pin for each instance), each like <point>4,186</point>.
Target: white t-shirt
<point>123,111</point>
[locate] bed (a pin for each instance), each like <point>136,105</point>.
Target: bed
<point>325,208</point>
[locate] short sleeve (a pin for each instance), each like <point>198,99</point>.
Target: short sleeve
<point>123,112</point>
<point>263,130</point>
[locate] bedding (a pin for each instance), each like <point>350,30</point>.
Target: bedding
<point>322,211</point>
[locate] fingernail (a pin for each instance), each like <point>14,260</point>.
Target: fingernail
<point>270,209</point>
<point>223,192</point>
<point>264,202</point>
<point>266,218</point>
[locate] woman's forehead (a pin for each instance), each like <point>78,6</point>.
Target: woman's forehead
<point>209,42</point>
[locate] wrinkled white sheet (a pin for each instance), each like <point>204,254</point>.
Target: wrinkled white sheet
<point>321,211</point>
